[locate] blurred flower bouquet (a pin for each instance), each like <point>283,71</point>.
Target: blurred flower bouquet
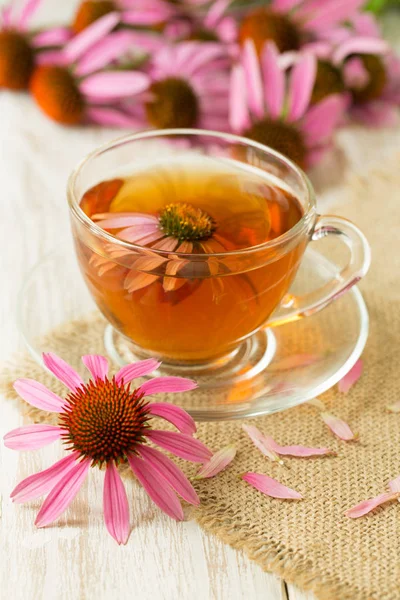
<point>285,73</point>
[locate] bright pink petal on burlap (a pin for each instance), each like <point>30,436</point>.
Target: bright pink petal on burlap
<point>338,427</point>
<point>301,85</point>
<point>273,79</point>
<point>97,365</point>
<point>156,487</point>
<point>112,85</point>
<point>321,120</point>
<point>63,493</point>
<point>63,371</point>
<point>29,8</point>
<point>180,444</point>
<point>84,40</point>
<point>359,45</point>
<point>171,473</point>
<point>41,483</point>
<point>137,369</point>
<point>56,36</point>
<point>296,451</point>
<point>239,118</point>
<point>115,504</point>
<point>260,442</point>
<point>366,506</point>
<point>332,12</point>
<point>38,395</point>
<point>271,487</point>
<point>173,414</point>
<point>252,71</point>
<point>347,382</point>
<point>160,385</point>
<point>32,437</point>
<point>394,485</point>
<point>217,463</point>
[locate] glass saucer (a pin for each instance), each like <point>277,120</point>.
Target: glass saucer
<point>275,369</point>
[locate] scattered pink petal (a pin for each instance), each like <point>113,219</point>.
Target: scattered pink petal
<point>317,403</point>
<point>394,408</point>
<point>366,506</point>
<point>351,378</point>
<point>261,442</point>
<point>338,427</point>
<point>394,485</point>
<point>271,487</point>
<point>217,463</point>
<point>297,451</point>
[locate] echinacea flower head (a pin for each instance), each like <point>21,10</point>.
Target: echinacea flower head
<point>69,86</point>
<point>104,423</point>
<point>19,47</point>
<point>132,12</point>
<point>271,105</point>
<point>292,23</point>
<point>189,86</point>
<point>178,228</point>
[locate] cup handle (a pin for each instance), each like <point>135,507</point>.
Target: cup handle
<point>293,307</point>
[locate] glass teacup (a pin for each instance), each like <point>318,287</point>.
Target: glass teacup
<point>191,307</point>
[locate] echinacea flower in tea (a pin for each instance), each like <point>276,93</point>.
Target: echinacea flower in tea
<point>104,423</point>
<point>19,47</point>
<point>292,23</point>
<point>272,106</point>
<point>69,86</point>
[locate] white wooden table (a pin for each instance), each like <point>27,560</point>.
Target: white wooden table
<point>76,558</point>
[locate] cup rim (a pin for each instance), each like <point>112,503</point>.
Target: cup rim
<point>73,201</point>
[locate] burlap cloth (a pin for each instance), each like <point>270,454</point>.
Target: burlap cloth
<point>310,543</point>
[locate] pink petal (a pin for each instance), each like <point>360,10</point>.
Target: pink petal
<point>253,79</point>
<point>137,233</point>
<point>180,444</point>
<point>57,36</point>
<point>136,281</point>
<point>156,487</point>
<point>297,451</point>
<point>83,41</point>
<point>355,75</point>
<point>63,493</point>
<point>32,437</point>
<point>347,382</point>
<point>41,483</point>
<point>97,365</point>
<point>359,45</point>
<point>37,394</point>
<point>137,369</point>
<point>368,505</point>
<point>116,221</point>
<point>320,120</point>
<point>174,414</point>
<point>160,385</point>
<point>63,371</point>
<point>284,5</point>
<point>394,485</point>
<point>338,427</point>
<point>260,442</point>
<point>147,16</point>
<point>113,46</point>
<point>331,13</point>
<point>365,24</point>
<point>167,244</point>
<point>28,9</point>
<point>274,80</point>
<point>217,463</point>
<point>394,408</point>
<point>6,16</point>
<point>51,57</point>
<point>271,487</point>
<point>215,12</point>
<point>115,503</point>
<point>111,117</point>
<point>112,85</point>
<point>301,86</point>
<point>171,473</point>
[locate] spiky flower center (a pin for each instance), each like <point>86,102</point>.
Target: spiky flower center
<point>328,81</point>
<point>17,61</point>
<point>104,421</point>
<point>174,104</point>
<point>377,79</point>
<point>186,222</point>
<point>57,94</point>
<point>89,11</point>
<point>283,137</point>
<point>263,24</point>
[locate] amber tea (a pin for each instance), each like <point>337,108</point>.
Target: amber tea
<point>175,291</point>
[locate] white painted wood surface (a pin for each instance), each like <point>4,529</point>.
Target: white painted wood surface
<point>76,558</point>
